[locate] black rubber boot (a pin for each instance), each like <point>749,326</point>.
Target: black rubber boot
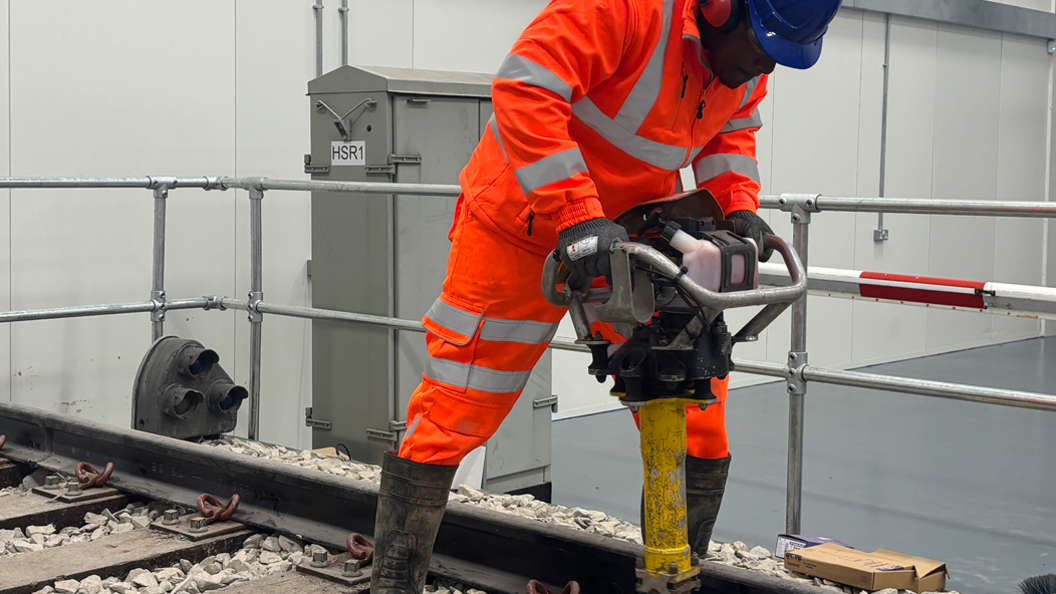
<point>705,485</point>
<point>411,504</point>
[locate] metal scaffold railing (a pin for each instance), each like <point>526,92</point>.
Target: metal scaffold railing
<point>1026,301</point>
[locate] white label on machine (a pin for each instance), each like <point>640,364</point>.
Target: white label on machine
<point>348,153</point>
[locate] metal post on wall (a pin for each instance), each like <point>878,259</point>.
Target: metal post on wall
<point>801,206</point>
<point>881,234</point>
<point>256,295</point>
<point>344,32</point>
<point>318,8</point>
<point>157,288</point>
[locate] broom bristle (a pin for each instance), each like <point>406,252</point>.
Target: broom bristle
<point>1042,584</point>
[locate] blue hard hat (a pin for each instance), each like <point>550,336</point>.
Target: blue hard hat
<point>790,31</point>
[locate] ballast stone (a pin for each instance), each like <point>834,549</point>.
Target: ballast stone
<point>145,579</point>
<point>272,544</point>
<point>10,535</point>
<point>289,545</point>
<point>24,546</point>
<point>169,574</point>
<point>269,558</point>
<point>67,586</point>
<point>41,530</point>
<point>92,584</point>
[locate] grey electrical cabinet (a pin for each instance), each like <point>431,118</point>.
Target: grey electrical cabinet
<point>386,255</point>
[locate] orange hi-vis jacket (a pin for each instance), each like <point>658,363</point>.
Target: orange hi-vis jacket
<point>597,108</point>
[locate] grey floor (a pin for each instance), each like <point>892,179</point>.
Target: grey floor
<point>970,484</point>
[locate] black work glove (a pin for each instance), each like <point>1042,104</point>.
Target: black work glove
<point>748,224</point>
<point>585,247</point>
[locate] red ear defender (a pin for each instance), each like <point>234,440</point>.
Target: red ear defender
<point>721,14</point>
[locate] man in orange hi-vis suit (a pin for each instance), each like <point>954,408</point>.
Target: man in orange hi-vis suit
<point>598,106</point>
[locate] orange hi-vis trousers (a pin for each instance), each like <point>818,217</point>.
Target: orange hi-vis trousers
<point>485,334</point>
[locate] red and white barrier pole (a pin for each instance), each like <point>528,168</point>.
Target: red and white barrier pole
<point>996,298</point>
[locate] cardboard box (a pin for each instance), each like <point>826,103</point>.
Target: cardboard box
<point>868,571</point>
<point>795,542</point>
<point>330,452</point>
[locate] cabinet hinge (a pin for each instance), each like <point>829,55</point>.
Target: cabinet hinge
<point>309,168</point>
<point>310,421</point>
<point>545,402</point>
<point>390,436</point>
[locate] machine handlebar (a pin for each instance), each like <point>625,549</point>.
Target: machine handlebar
<point>627,300</point>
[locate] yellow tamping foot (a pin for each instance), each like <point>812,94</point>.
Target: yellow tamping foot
<point>668,561</point>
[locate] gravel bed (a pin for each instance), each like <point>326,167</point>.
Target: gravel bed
<point>525,506</point>
<point>260,556</point>
<point>738,554</point>
<point>28,539</point>
<point>276,554</point>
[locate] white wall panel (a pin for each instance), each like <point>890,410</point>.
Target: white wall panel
<point>911,111</point>
<point>493,25</point>
<point>380,33</point>
<point>1021,170</point>
<point>5,211</point>
<point>144,101</point>
<point>870,110</point>
<point>815,134</point>
<point>884,331</point>
<point>879,330</point>
<point>815,149</point>
<point>272,137</point>
<point>965,166</point>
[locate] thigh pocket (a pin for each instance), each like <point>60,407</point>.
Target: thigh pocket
<point>454,321</point>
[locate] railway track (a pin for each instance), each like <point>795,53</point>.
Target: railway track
<point>289,533</point>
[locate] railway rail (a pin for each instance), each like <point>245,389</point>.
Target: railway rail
<point>482,549</point>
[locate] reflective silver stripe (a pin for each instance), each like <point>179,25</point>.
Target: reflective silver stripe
<point>494,329</point>
<point>475,377</point>
<point>520,68</point>
<point>522,331</point>
<point>551,169</point>
<point>645,92</point>
<point>749,88</point>
<point>654,153</point>
<point>410,430</point>
<point>752,121</point>
<point>713,166</point>
<point>453,318</point>
<point>494,125</point>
